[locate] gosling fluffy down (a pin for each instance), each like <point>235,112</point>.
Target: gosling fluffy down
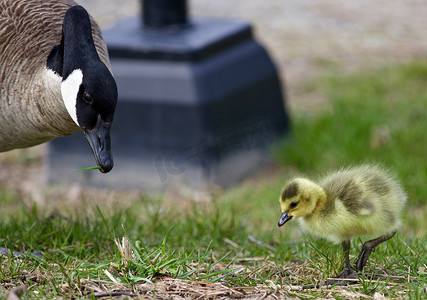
<point>358,201</point>
<point>353,202</point>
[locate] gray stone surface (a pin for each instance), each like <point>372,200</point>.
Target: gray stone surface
<point>197,107</point>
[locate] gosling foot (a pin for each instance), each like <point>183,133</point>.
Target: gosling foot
<point>346,277</point>
<point>369,247</point>
<point>347,273</point>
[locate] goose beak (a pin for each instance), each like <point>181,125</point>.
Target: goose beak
<point>100,143</point>
<point>284,218</point>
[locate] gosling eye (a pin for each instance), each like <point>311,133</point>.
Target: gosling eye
<point>293,204</point>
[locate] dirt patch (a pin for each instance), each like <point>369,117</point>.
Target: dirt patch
<point>297,280</point>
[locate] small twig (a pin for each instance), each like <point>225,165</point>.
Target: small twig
<point>344,279</point>
<point>391,276</point>
<point>303,295</point>
<point>115,294</point>
<point>261,243</point>
<point>331,281</point>
<point>109,275</point>
<point>230,242</point>
<point>250,259</point>
<point>343,291</point>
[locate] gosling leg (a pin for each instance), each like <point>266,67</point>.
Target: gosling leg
<point>369,247</point>
<point>347,271</point>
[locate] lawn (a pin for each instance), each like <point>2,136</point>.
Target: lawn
<point>228,245</point>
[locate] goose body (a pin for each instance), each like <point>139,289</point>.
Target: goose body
<point>55,76</point>
<point>355,202</point>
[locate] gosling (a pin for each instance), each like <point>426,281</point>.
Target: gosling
<point>353,202</point>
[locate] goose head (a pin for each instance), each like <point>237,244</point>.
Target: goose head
<point>299,198</point>
<point>88,89</point>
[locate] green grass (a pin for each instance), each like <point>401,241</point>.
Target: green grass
<point>210,246</point>
<point>232,246</point>
<point>87,169</point>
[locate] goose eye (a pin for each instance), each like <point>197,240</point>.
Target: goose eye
<point>87,98</point>
<point>293,204</point>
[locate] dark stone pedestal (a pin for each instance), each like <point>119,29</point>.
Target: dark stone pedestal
<point>199,105</point>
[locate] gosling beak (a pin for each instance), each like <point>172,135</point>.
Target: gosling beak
<point>284,218</point>
<point>100,143</point>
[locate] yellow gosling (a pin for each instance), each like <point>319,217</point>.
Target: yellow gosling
<point>363,201</point>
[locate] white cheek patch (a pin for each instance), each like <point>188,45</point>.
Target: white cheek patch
<point>53,79</point>
<point>69,90</point>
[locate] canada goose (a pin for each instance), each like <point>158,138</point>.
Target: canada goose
<point>55,76</point>
<point>354,202</point>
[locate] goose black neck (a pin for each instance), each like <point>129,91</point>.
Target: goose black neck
<point>78,45</point>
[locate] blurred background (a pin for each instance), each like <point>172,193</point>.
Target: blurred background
<point>314,45</point>
<point>308,38</point>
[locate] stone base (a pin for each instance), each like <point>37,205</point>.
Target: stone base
<point>196,107</point>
